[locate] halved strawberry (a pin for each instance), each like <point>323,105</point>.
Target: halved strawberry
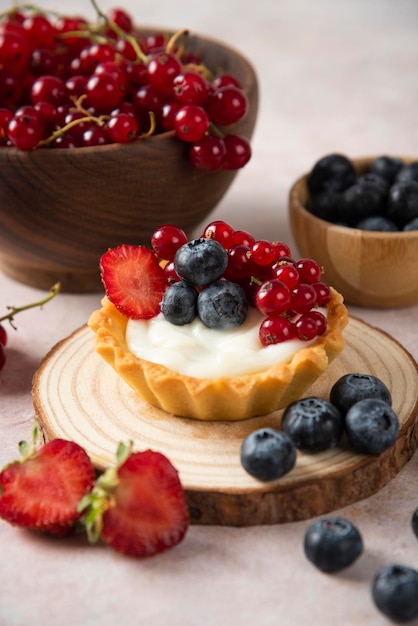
<point>42,491</point>
<point>139,507</point>
<point>133,280</point>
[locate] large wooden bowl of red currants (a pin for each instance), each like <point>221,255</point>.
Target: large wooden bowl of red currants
<point>108,130</point>
<point>359,219</point>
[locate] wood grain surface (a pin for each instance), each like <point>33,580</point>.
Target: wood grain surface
<point>79,397</point>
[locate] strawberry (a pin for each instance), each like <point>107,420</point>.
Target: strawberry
<point>42,490</point>
<point>138,508</point>
<point>133,280</point>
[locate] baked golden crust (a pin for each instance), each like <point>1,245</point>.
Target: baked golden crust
<point>228,398</point>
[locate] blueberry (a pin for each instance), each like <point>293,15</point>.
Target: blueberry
<point>268,454</point>
<point>371,426</point>
<point>408,173</point>
<point>333,544</point>
<point>332,173</point>
<point>313,423</point>
<point>179,304</point>
<point>222,304</point>
<point>325,205</point>
<point>363,199</point>
<point>412,225</point>
<point>414,522</point>
<point>377,223</point>
<point>386,167</point>
<point>402,204</point>
<point>201,261</point>
<point>395,592</point>
<point>370,177</point>
<point>351,388</point>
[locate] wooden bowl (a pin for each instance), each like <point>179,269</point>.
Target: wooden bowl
<point>61,209</point>
<point>371,269</point>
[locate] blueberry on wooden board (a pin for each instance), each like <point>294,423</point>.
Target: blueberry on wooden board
<point>371,426</point>
<point>268,454</point>
<point>353,387</point>
<point>314,424</point>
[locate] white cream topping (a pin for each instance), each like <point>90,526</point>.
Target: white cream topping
<point>195,350</point>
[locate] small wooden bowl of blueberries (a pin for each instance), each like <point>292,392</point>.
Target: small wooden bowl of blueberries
<point>359,219</point>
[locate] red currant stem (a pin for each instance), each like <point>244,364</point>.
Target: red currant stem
<point>121,33</point>
<point>172,42</point>
<point>83,34</point>
<point>255,280</point>
<point>69,126</point>
<point>216,131</point>
<point>201,69</point>
<point>14,310</point>
<point>153,126</point>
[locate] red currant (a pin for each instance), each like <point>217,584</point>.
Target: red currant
<point>276,329</point>
<point>240,263</point>
<point>162,69</point>
<point>223,80</point>
<point>220,231</point>
<point>263,252</point>
<point>208,153</point>
<point>273,297</point>
<point>170,274</point>
<point>227,105</point>
<point>3,335</point>
<point>286,272</point>
<point>24,132</point>
<point>15,51</point>
<point>167,115</point>
<point>78,128</point>
<point>190,88</point>
<point>309,270</point>
<point>2,357</point>
<point>76,85</point>
<point>122,128</point>
<point>238,152</point>
<point>282,250</point>
<point>121,18</point>
<point>191,123</point>
<point>306,328</point>
<point>49,89</point>
<point>303,298</point>
<point>95,136</point>
<point>242,237</point>
<point>320,320</point>
<point>104,92</point>
<point>166,240</point>
<point>147,98</point>
<point>323,293</point>
<point>101,52</point>
<point>39,31</point>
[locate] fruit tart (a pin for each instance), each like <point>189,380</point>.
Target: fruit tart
<point>222,327</point>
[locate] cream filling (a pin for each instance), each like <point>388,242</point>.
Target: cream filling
<point>195,350</point>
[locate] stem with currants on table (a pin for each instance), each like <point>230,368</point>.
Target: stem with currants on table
<point>14,310</point>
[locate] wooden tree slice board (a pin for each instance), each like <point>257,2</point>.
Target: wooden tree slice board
<point>78,396</point>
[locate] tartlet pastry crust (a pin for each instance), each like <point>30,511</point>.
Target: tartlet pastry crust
<point>229,398</point>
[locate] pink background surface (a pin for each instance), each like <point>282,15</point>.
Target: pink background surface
<point>334,76</point>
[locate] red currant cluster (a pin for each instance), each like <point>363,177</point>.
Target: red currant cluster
<point>13,310</point>
<point>287,292</point>
<point>66,83</point>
